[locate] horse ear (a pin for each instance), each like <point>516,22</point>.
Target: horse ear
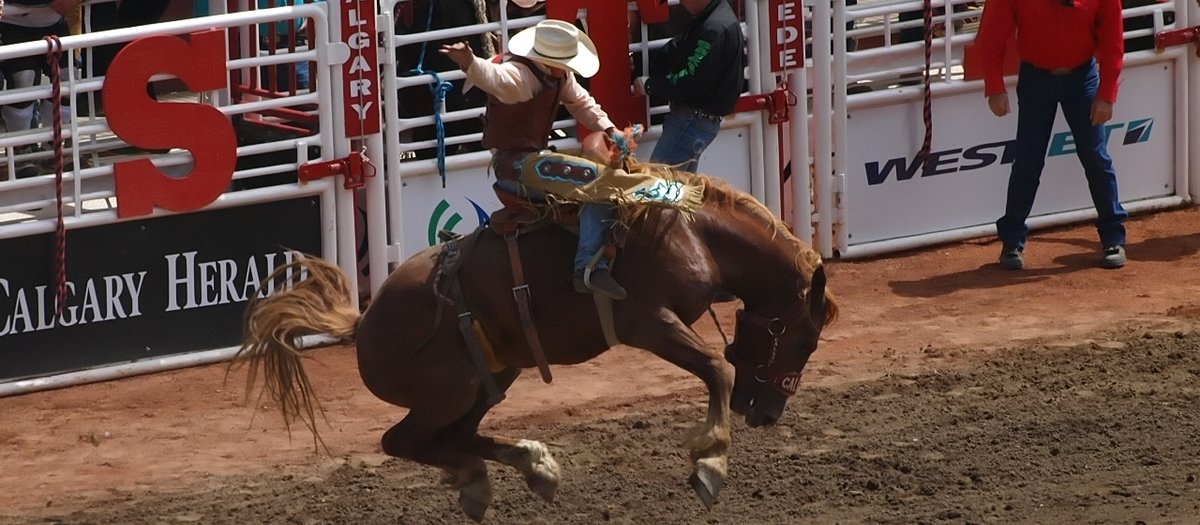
<point>816,296</point>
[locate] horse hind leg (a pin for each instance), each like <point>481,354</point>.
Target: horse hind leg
<point>415,438</point>
<point>531,458</point>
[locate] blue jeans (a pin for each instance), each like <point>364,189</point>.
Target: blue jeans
<point>685,135</point>
<point>1038,96</point>
<point>594,221</point>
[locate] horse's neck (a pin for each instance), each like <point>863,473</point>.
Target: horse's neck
<point>754,262</point>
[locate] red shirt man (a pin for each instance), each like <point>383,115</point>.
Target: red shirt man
<point>1071,56</point>
<point>1053,35</point>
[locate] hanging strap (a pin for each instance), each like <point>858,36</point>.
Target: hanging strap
<point>53,56</point>
<point>466,327</point>
<point>521,294</point>
<point>466,323</point>
<point>927,109</point>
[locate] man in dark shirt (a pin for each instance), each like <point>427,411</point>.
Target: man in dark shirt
<point>701,73</point>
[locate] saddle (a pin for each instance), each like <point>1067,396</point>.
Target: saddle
<point>519,216</point>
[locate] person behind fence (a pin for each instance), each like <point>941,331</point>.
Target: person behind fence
<point>524,92</point>
<point>30,21</point>
<point>700,73</point>
<point>279,38</point>
<point>1071,55</point>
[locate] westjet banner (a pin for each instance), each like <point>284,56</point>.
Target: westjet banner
<point>890,195</point>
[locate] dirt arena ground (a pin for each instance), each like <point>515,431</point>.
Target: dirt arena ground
<point>949,392</point>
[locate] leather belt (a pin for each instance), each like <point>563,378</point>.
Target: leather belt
<point>1064,71</point>
<point>696,111</point>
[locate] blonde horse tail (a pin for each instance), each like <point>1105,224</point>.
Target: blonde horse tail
<point>312,297</point>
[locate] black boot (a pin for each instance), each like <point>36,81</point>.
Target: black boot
<point>578,283</point>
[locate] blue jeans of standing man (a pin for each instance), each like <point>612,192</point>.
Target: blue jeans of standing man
<point>685,135</point>
<point>1039,94</point>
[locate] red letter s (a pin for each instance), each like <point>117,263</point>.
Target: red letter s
<point>141,121</point>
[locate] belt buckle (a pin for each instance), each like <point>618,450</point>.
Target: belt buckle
<point>1061,71</point>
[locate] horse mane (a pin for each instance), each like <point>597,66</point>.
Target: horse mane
<point>721,196</point>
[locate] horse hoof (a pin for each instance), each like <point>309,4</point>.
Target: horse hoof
<point>543,472</point>
<point>707,480</point>
<point>475,498</point>
<point>543,486</point>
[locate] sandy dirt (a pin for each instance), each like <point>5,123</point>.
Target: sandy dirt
<point>949,392</point>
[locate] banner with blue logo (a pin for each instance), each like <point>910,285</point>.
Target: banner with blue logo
<point>890,194</point>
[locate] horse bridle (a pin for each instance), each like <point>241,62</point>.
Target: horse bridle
<point>766,371</point>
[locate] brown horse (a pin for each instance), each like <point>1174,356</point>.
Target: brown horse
<point>411,354</point>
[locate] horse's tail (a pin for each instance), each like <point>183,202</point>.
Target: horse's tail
<point>313,298</point>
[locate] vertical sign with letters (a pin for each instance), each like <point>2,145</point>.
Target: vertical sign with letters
<point>787,34</point>
<point>360,89</point>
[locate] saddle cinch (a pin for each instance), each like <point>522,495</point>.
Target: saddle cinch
<point>519,216</point>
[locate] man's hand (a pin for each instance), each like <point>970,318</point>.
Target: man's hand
<point>460,52</point>
<point>1101,112</point>
<point>639,85</point>
<point>998,103</point>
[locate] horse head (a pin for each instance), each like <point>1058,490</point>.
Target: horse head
<point>781,281</point>
<point>770,349</point>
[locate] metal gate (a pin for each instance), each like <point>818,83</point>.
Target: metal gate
<point>169,222</point>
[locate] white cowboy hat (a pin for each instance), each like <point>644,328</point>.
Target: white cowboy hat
<point>559,44</point>
<point>524,4</point>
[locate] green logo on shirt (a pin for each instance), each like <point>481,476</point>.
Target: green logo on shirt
<point>693,62</point>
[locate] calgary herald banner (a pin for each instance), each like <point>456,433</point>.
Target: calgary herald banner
<point>144,289</point>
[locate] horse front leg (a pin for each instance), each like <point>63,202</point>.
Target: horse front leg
<point>707,444</point>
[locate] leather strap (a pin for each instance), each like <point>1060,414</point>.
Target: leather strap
<point>466,327</point>
<point>522,295</point>
<point>605,312</point>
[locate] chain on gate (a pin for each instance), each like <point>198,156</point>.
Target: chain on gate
<point>53,58</point>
